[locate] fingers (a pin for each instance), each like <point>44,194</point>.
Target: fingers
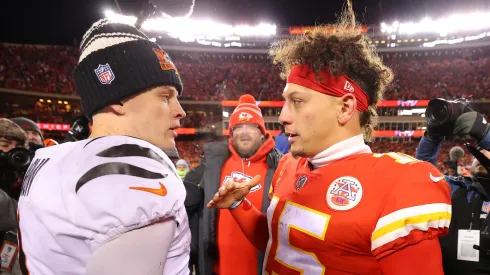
<point>253,182</point>
<point>222,191</point>
<point>230,187</point>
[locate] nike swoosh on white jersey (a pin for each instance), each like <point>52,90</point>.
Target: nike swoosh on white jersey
<point>435,179</point>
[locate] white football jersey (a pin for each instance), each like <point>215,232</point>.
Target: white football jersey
<point>77,196</point>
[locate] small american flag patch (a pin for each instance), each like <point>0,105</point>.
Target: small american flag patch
<point>485,207</point>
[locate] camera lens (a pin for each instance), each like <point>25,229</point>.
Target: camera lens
<point>438,112</point>
<point>20,159</point>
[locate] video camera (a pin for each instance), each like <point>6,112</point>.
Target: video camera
<point>442,114</point>
<point>13,166</point>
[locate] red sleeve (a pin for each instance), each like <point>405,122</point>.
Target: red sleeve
<point>421,259</point>
<point>253,224</point>
<point>251,221</point>
<point>417,208</point>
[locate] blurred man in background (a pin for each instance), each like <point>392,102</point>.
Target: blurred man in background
<point>281,141</point>
<point>182,168</point>
<point>470,200</point>
<point>221,246</point>
<point>35,137</point>
<point>11,137</point>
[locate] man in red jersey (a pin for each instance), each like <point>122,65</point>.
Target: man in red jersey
<point>337,208</point>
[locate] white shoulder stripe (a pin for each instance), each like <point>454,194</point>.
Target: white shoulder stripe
<point>400,223</point>
<point>411,212</point>
<point>404,231</point>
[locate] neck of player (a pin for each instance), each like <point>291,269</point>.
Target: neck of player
<point>351,146</point>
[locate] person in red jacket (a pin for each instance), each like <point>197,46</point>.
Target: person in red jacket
<point>219,246</point>
<point>336,208</point>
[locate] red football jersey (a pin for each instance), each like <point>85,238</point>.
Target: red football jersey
<point>342,218</point>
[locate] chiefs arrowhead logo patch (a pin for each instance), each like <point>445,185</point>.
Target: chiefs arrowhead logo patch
<point>240,177</point>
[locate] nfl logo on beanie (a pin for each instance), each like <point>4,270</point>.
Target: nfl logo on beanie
<point>105,74</point>
<point>118,61</point>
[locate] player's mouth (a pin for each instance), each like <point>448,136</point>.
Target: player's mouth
<point>291,137</point>
<point>174,133</point>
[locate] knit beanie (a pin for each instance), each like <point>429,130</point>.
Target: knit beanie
<point>182,162</point>
<point>27,125</point>
<point>10,129</point>
<point>118,61</point>
<point>247,112</point>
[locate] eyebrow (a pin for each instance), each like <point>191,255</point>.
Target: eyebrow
<point>291,94</point>
<point>168,90</point>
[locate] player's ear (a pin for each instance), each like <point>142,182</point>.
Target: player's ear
<point>348,108</point>
<point>119,109</point>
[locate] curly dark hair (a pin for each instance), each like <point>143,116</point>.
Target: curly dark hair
<point>345,52</point>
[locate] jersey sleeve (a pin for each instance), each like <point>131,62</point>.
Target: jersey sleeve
<point>417,208</point>
<point>122,186</point>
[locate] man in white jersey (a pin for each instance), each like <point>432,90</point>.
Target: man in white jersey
<point>111,204</point>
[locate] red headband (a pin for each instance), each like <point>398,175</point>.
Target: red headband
<point>329,85</point>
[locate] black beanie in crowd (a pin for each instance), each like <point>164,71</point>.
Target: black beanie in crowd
<point>27,125</point>
<point>118,61</point>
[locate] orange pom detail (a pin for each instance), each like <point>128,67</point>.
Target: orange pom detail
<point>247,99</point>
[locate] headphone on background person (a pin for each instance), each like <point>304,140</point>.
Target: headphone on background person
<point>80,130</point>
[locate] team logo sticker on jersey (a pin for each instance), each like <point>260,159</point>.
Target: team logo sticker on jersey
<point>240,178</point>
<point>485,208</point>
<point>344,193</point>
<point>105,74</point>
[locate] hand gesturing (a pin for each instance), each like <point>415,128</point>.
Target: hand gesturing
<point>231,192</point>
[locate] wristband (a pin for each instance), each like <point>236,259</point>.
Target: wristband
<point>235,204</point>
<point>246,205</point>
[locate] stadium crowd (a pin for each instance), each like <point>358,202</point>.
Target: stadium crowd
<point>45,69</point>
<point>217,76</point>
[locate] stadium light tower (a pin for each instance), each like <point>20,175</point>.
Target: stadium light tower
<point>151,6</point>
<point>146,12</point>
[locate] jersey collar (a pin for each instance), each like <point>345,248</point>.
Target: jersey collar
<point>352,146</point>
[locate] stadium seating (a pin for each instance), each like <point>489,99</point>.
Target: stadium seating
<point>206,76</point>
<point>215,76</point>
